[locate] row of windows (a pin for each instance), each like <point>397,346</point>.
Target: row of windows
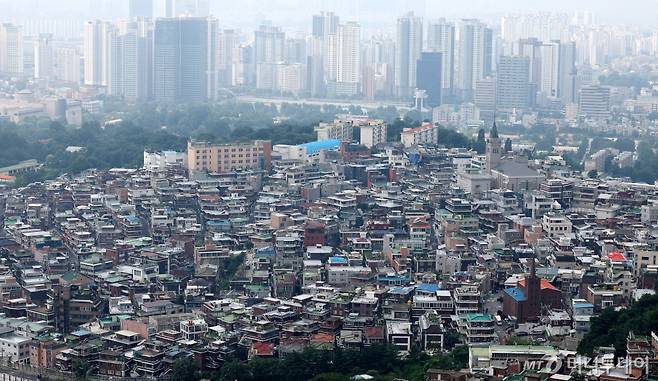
<point>558,228</point>
<point>227,156</point>
<point>434,305</point>
<point>205,163</point>
<point>203,151</point>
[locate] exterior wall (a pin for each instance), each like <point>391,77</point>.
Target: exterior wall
<point>42,354</point>
<point>372,134</point>
<point>229,157</point>
<point>425,134</point>
<point>552,298</point>
<point>136,326</point>
<point>513,308</point>
<point>336,130</point>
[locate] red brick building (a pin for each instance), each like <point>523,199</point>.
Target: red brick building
<point>524,302</point>
<point>314,234</point>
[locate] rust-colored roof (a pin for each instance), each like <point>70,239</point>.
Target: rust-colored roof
<point>323,338</point>
<point>544,284</point>
<point>262,349</point>
<point>374,332</point>
<point>209,197</point>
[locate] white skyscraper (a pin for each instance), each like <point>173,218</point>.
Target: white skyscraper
<point>43,56</point>
<point>441,39</point>
<point>653,43</point>
<point>530,47</point>
<point>119,57</point>
<point>509,28</point>
<point>409,45</point>
<point>269,49</point>
<point>290,78</point>
<point>269,44</point>
<point>11,49</point>
<point>29,42</point>
<point>226,57</point>
<point>513,82</point>
<point>567,72</point>
<point>377,65</point>
<point>348,58</point>
<point>331,57</point>
<point>325,28</point>
<point>99,38</point>
<point>67,61</point>
<point>549,75</point>
<point>470,63</point>
<point>130,60</point>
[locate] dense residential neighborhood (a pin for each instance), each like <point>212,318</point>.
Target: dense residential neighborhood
<point>250,250</point>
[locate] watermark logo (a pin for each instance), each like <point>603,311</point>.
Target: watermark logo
<point>557,363</point>
<point>548,363</point>
<point>553,363</point>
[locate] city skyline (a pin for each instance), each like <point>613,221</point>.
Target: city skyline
<point>188,54</point>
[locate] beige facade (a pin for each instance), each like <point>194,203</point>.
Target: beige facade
<point>221,158</point>
<point>373,133</point>
<point>644,258</point>
<point>340,130</point>
<point>427,133</point>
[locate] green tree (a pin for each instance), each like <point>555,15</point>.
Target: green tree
<point>582,149</point>
<point>451,338</point>
<point>624,144</point>
<point>481,135</point>
<point>611,327</point>
<point>184,370</point>
<point>234,370</point>
<point>81,369</point>
<point>330,377</point>
<point>394,129</point>
<point>480,144</point>
<point>508,145</point>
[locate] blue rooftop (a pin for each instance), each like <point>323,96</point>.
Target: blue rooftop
<point>393,279</point>
<point>428,287</point>
<point>132,218</point>
<point>516,293</point>
<point>399,290</point>
<point>218,222</point>
<point>335,260</point>
<point>265,252</point>
<point>319,145</point>
<point>583,305</point>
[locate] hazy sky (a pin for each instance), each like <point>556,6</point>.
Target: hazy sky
<point>295,14</point>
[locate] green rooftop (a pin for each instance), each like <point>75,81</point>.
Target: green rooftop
<point>478,317</point>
